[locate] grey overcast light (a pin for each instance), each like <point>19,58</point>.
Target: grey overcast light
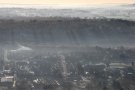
<point>67,45</point>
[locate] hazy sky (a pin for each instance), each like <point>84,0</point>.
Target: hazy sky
<point>66,2</point>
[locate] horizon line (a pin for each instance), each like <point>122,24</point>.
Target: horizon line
<point>60,6</point>
<point>69,4</point>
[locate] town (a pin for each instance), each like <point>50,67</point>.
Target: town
<point>65,72</point>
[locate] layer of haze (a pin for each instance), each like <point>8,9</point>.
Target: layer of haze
<point>66,2</point>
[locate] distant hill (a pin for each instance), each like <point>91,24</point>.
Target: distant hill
<point>125,12</point>
<point>68,31</point>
